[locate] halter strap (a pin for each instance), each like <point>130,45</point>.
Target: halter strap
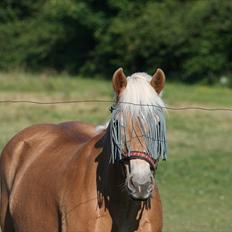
<point>143,156</point>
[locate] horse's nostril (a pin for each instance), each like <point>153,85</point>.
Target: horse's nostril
<point>150,186</point>
<point>132,182</point>
<point>131,186</point>
<point>151,178</point>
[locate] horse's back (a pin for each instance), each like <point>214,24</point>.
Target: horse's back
<point>33,160</point>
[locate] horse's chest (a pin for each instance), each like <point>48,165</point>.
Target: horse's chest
<point>105,223</point>
<point>88,217</point>
<point>132,226</point>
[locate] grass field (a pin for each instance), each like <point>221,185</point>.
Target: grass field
<point>195,182</point>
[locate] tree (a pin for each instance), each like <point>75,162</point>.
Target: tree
<point>190,40</point>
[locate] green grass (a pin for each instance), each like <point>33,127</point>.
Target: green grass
<point>195,182</point>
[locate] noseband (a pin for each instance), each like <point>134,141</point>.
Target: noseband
<point>140,155</point>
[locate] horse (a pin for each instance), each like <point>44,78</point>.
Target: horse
<point>75,177</point>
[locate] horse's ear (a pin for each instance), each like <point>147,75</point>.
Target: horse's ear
<point>119,81</point>
<point>158,80</point>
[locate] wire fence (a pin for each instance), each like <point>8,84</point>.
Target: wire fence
<point>174,108</point>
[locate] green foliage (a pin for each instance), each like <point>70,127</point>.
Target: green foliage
<point>190,40</point>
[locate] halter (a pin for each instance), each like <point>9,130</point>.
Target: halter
<point>154,135</point>
<point>140,155</point>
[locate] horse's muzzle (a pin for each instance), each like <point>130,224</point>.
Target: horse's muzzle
<point>140,191</point>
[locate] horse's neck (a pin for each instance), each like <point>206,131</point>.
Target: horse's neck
<point>112,179</point>
<point>122,209</point>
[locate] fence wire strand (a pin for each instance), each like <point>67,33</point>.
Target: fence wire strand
<point>183,108</point>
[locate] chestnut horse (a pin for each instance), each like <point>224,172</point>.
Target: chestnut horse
<point>74,177</point>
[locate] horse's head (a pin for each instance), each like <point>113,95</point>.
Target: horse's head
<point>137,128</point>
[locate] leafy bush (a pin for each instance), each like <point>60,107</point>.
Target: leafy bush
<point>190,40</point>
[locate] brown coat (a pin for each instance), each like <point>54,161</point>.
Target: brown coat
<point>58,178</point>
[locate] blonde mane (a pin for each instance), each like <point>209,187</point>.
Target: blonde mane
<point>140,104</point>
<point>139,92</point>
